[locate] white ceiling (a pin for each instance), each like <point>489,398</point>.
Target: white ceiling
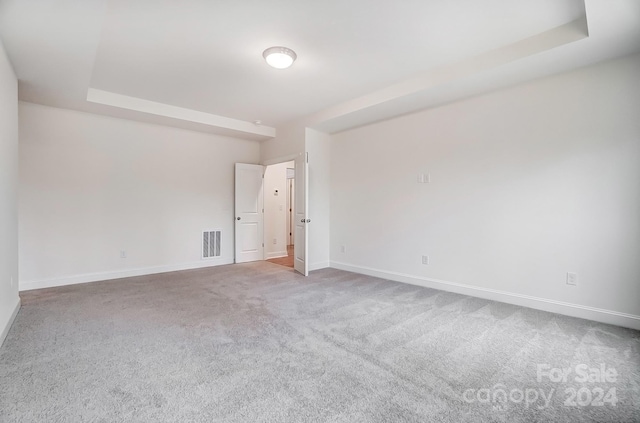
<point>198,63</point>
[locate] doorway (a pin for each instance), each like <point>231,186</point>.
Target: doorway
<point>279,185</point>
<point>253,200</point>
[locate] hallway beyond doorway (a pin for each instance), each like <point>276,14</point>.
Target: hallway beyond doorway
<point>284,261</point>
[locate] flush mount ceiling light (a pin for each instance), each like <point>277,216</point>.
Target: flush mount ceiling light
<point>279,57</point>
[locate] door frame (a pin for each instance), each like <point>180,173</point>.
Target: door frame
<point>287,158</point>
<point>276,218</point>
<point>278,160</point>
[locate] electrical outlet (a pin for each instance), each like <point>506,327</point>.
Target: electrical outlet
<point>425,259</point>
<point>123,254</point>
<point>343,249</point>
<point>275,241</point>
<point>572,279</point>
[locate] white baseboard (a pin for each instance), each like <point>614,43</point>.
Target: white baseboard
<point>6,326</point>
<point>103,276</point>
<point>318,266</point>
<point>553,306</point>
<point>276,254</point>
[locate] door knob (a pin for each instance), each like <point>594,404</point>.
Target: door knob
<point>238,218</point>
<point>302,221</point>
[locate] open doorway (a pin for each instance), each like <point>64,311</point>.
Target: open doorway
<point>279,226</point>
<point>252,197</point>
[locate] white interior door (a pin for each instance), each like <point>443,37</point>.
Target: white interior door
<point>302,221</point>
<point>249,212</point>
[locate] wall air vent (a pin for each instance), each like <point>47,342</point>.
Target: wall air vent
<point>211,243</point>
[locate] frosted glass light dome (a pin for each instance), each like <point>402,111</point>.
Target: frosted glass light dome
<point>279,57</point>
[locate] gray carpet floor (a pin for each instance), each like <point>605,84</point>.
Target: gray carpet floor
<point>259,343</point>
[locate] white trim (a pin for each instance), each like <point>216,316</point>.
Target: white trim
<point>319,265</point>
<point>553,306</point>
<point>276,254</point>
<point>12,318</point>
<point>103,276</point>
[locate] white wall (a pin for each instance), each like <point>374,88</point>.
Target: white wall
<point>275,210</point>
<point>9,300</point>
<point>288,143</point>
<point>318,145</point>
<point>92,186</point>
<point>527,184</point>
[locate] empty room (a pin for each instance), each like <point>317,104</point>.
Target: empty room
<point>335,211</point>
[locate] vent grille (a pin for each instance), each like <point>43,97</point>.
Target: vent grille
<point>211,243</point>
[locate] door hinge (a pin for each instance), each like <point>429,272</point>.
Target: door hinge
<point>307,157</point>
